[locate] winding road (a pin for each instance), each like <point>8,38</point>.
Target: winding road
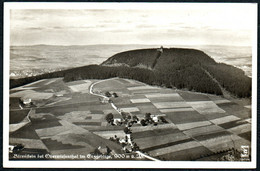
<point>117,109</point>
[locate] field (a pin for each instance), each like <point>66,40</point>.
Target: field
<point>68,119</point>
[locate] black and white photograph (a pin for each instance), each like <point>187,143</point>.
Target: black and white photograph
<point>130,85</point>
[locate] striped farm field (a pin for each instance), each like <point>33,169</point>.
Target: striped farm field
<point>174,148</point>
<point>70,138</point>
<point>169,144</point>
<point>56,145</point>
<point>185,117</point>
<point>140,100</point>
<point>207,136</point>
<point>79,115</point>
<point>124,81</point>
<point>83,88</point>
<point>158,95</point>
<point>147,108</point>
<point>129,109</point>
<point>133,82</point>
<point>110,85</point>
<point>192,96</point>
<point>92,128</point>
<point>47,132</point>
<point>88,123</point>
<point>186,154</point>
<point>108,134</point>
<point>137,96</point>
<point>26,132</point>
<point>153,127</point>
<point>225,119</point>
<point>161,105</point>
<point>184,109</point>
<point>246,135</point>
<point>203,130</point>
<point>240,129</point>
<point>46,121</point>
<point>152,141</point>
<point>145,87</point>
<point>151,133</point>
<point>237,110</point>
<point>191,125</point>
<point>232,124</point>
<point>148,91</point>
<point>216,116</point>
<point>206,107</point>
<point>71,120</point>
<point>72,83</point>
<point>14,103</point>
<point>224,142</point>
<point>17,116</point>
<point>122,101</point>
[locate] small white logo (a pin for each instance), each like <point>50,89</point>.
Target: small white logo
<point>244,151</point>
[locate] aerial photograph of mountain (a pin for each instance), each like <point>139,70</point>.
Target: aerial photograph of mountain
<point>162,82</point>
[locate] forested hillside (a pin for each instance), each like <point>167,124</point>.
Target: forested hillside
<point>174,67</point>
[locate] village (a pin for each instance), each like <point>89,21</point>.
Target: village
<point>127,120</point>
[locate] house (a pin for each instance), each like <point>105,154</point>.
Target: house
<point>127,148</point>
<point>117,121</point>
<point>25,102</point>
<point>155,118</point>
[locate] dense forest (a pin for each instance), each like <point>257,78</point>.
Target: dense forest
<point>173,68</point>
<point>231,78</point>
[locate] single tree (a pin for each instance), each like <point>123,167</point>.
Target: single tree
<point>143,122</point>
<point>148,116</point>
<point>110,118</point>
<point>135,118</point>
<point>107,94</point>
<point>115,95</point>
<point>163,119</point>
<point>127,130</point>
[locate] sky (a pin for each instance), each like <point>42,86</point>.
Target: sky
<point>171,24</point>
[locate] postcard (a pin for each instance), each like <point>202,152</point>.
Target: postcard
<point>130,85</point>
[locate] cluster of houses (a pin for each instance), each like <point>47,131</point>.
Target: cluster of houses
<point>128,120</point>
<point>107,98</point>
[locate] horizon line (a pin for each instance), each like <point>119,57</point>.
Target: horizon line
<point>114,44</point>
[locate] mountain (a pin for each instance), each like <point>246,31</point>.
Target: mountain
<point>180,68</point>
<point>187,68</point>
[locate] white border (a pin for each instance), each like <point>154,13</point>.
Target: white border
<point>113,164</point>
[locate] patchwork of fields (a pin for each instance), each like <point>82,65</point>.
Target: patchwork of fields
<point>67,119</point>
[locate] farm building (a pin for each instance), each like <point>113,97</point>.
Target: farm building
<point>105,100</point>
<point>117,121</point>
<point>26,102</point>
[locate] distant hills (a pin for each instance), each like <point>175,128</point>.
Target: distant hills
<point>180,68</point>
